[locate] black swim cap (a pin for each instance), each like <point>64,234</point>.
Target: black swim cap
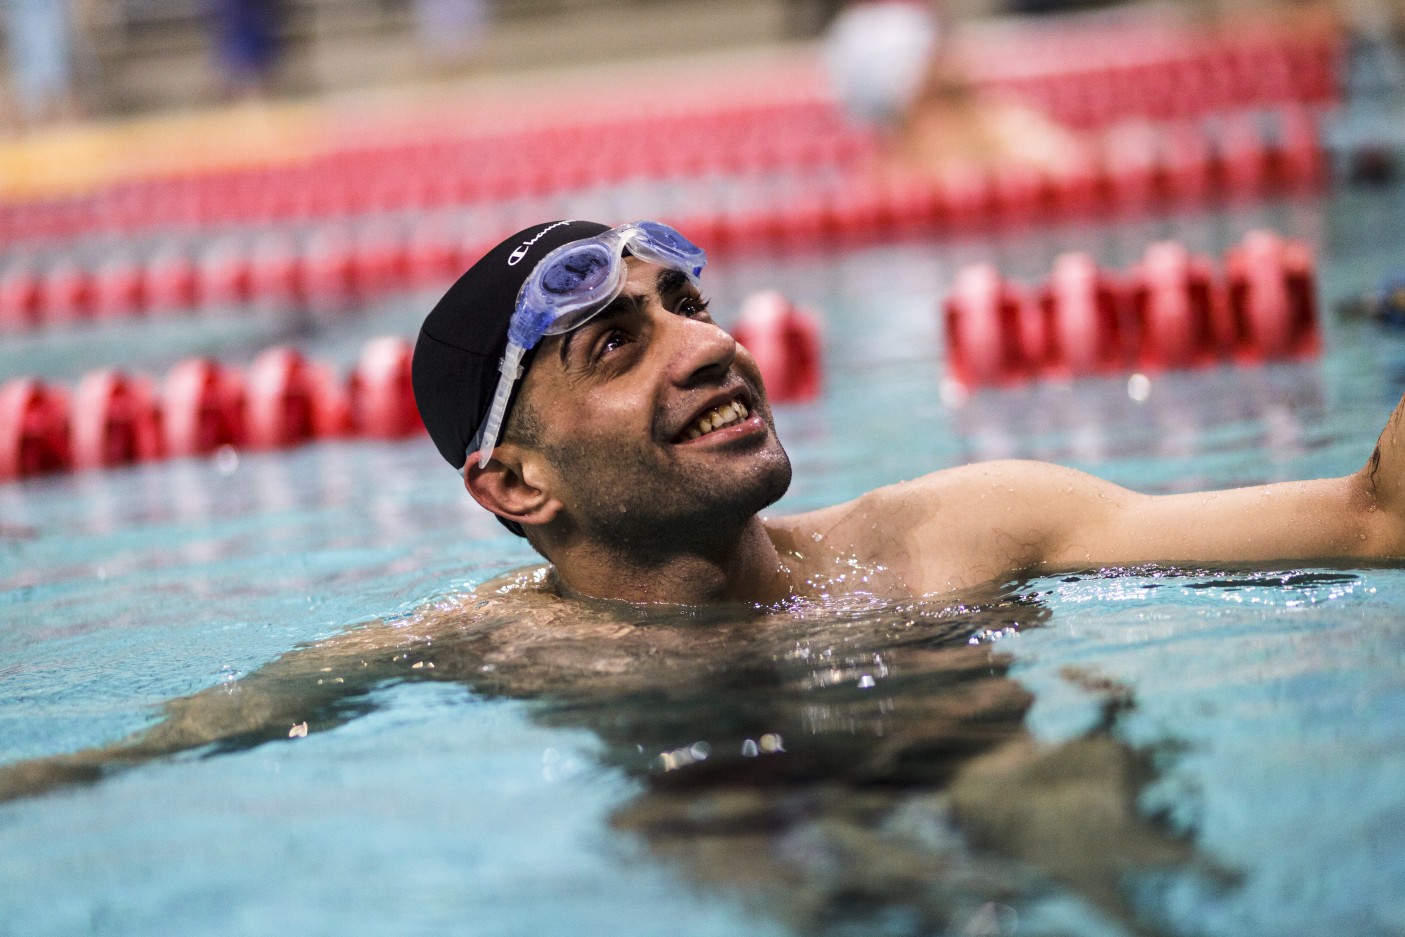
<point>462,340</point>
<point>455,367</point>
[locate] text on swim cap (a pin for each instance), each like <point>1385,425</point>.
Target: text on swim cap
<point>525,246</point>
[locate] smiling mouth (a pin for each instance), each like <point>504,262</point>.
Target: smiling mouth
<point>728,414</point>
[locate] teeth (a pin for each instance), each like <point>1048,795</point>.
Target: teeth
<point>717,418</point>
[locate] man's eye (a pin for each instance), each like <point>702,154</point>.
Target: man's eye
<point>611,341</point>
<point>695,307</point>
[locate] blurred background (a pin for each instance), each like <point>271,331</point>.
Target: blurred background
<point>104,58</point>
<point>213,178</point>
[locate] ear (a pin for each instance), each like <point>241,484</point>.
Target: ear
<point>512,486</point>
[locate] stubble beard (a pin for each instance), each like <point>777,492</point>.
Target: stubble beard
<point>633,506</point>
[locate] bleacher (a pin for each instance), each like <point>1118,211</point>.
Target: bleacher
<point>145,55</point>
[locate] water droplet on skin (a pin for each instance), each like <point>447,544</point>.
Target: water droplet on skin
<point>817,536</point>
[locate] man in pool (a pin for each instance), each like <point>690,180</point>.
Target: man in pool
<point>576,379</point>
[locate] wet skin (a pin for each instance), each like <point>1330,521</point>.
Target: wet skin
<point>626,508</point>
<point>698,598</point>
<point>822,802</point>
<point>626,505</point>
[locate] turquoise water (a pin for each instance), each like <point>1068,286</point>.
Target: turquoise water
<point>1261,713</point>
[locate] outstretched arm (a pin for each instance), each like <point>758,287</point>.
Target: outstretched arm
<point>985,521</point>
<point>310,688</point>
<point>1357,516</point>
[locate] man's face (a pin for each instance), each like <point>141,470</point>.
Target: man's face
<point>654,421</point>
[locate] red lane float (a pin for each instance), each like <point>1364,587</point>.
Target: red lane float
<point>113,420</point>
<point>65,293</point>
<point>224,276</point>
<point>171,283</point>
<point>992,331</point>
<point>33,429</point>
<point>331,403</point>
<point>19,297</point>
<point>118,289</point>
<point>275,274</point>
<point>328,270</point>
<point>379,261</point>
<point>284,400</point>
<point>1082,319</point>
<point>840,199</point>
<point>280,400</point>
<point>1171,312</point>
<point>785,341</point>
<point>202,405</point>
<point>382,398</point>
<point>1178,310</point>
<point>1272,298</point>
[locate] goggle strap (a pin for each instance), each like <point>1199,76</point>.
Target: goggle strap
<point>511,368</point>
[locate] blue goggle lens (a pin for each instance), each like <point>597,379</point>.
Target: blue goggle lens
<point>570,286</point>
<point>579,271</point>
<point>662,236</point>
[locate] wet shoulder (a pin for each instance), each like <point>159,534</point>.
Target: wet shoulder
<point>866,524</point>
<point>944,531</point>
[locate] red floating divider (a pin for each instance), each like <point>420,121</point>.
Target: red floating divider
<point>224,276</point>
<point>432,256</point>
<point>171,281</point>
<point>785,341</point>
<point>280,399</point>
<point>1297,159</point>
<point>1272,298</point>
<point>992,330</point>
<point>65,293</point>
<point>113,420</point>
<point>33,429</point>
<point>328,269</point>
<point>1179,310</point>
<point>382,398</point>
<point>1082,310</point>
<point>283,400</point>
<point>1171,312</point>
<point>380,261</point>
<point>19,297</point>
<point>202,406</point>
<point>275,273</point>
<point>118,289</point>
<point>331,402</point>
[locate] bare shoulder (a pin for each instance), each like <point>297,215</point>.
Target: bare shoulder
<point>981,487</point>
<point>950,529</point>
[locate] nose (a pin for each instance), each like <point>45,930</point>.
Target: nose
<point>701,351</point>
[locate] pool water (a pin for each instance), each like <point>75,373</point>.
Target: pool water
<point>1140,751</point>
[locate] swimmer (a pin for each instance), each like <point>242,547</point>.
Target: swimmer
<point>577,380</point>
<point>893,67</point>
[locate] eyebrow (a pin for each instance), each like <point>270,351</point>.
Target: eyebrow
<point>670,281</point>
<point>619,306</point>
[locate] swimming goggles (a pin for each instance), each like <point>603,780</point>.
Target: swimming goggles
<point>568,287</point>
